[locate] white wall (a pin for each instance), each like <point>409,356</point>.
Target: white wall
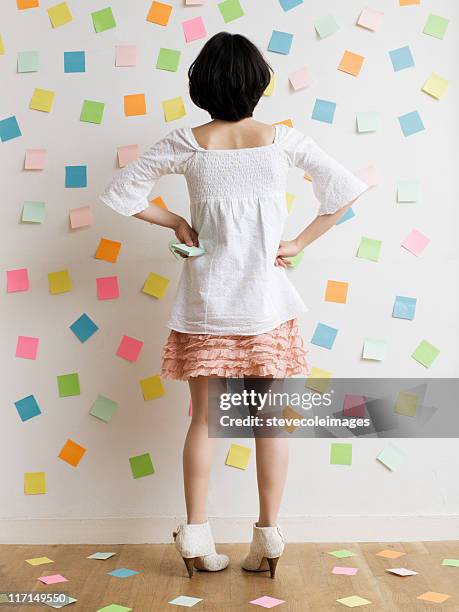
<point>424,490</point>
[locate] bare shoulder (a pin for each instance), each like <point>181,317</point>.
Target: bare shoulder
<point>238,134</point>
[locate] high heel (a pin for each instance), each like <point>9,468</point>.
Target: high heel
<point>196,546</point>
<point>265,550</point>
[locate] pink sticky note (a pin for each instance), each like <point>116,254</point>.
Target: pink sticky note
<point>129,348</point>
<point>401,571</point>
<point>267,602</point>
<point>107,288</point>
<point>194,2</point>
<point>27,347</point>
<point>369,175</point>
<point>54,579</point>
<point>194,29</point>
<point>81,217</point>
<point>354,406</point>
<point>370,19</point>
<point>300,78</point>
<point>345,571</point>
<point>127,154</point>
<point>36,159</point>
<point>125,55</point>
<point>190,408</point>
<point>415,242</point>
<point>17,280</point>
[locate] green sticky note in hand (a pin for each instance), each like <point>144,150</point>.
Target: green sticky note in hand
<point>184,249</point>
<point>296,259</point>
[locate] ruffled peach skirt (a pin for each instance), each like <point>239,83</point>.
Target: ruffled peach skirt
<point>279,352</point>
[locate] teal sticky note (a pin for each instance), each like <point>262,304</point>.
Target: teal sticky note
<point>404,307</point>
<point>9,129</point>
<point>340,454</point>
<point>75,176</point>
<point>27,61</point>
<point>280,42</point>
<point>74,61</point>
<point>368,121</point>
<point>103,20</point>
<point>230,10</point>
<point>287,5</point>
<point>436,26</point>
<point>33,212</point>
<point>27,408</point>
<point>401,58</point>
<point>324,336</point>
<point>408,191</point>
<point>326,26</point>
<point>123,572</point>
<point>391,456</point>
<point>168,59</point>
<point>411,123</point>
<point>324,110</point>
<point>84,327</point>
<point>103,408</point>
<point>374,349</point>
<point>349,214</point>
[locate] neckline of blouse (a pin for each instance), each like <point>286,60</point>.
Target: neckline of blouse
<point>198,146</point>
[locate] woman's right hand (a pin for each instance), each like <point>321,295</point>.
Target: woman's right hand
<point>186,234</point>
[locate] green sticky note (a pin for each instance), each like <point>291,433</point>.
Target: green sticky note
<point>391,457</point>
<point>114,608</point>
<point>141,465</point>
<point>33,212</point>
<point>168,59</point>
<point>342,554</point>
<point>451,562</point>
<point>103,408</point>
<point>408,191</point>
<point>92,111</point>
<point>369,248</point>
<point>368,121</point>
<point>296,259</point>
<point>340,454</point>
<point>406,404</point>
<point>230,10</point>
<point>103,19</point>
<point>326,26</point>
<point>436,26</point>
<point>68,384</point>
<point>425,353</point>
<point>27,61</point>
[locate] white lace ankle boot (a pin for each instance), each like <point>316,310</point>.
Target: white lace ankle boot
<point>266,548</point>
<point>196,546</point>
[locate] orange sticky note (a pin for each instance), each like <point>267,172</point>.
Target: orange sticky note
<point>390,554</point>
<point>72,453</point>
<point>287,122</point>
<point>26,4</point>
<point>159,202</point>
<point>351,63</point>
<point>108,250</point>
<point>434,597</point>
<point>135,104</point>
<point>409,2</point>
<point>159,13</point>
<point>336,291</point>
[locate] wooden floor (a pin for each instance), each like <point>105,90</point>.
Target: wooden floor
<point>303,579</point>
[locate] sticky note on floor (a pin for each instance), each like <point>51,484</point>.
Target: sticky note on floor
<point>401,571</point>
<point>123,572</point>
<point>351,63</point>
<point>415,242</point>
<point>135,104</point>
<point>390,554</point>
<point>340,453</point>
<point>374,349</point>
<point>39,561</point>
<point>354,406</point>
<point>159,13</point>
<point>141,465</point>
<point>336,291</point>
<point>324,335</point>
<point>194,29</point>
<point>114,608</point>
<point>406,404</point>
<point>103,408</point>
<point>103,20</point>
<point>391,456</point>
<point>34,483</point>
<point>270,88</point>
<point>266,601</point>
<point>325,26</point>
<point>342,553</point>
<point>42,100</point>
<point>280,42</point>
<point>436,26</point>
<point>59,282</point>
<point>408,191</point>
<point>84,327</point>
<point>324,110</point>
<point>369,248</point>
<point>451,562</point>
<point>152,387</point>
<point>238,456</point>
<point>107,288</point>
<point>436,86</point>
<point>434,597</point>
<point>156,285</point>
<point>345,571</point>
<point>354,601</point>
<point>185,600</point>
<point>425,353</point>
<point>54,579</point>
<point>102,556</point>
<point>174,108</point>
<point>59,14</point>
<point>129,348</point>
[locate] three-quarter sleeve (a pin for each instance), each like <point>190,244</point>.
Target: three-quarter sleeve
<point>128,191</point>
<point>333,184</point>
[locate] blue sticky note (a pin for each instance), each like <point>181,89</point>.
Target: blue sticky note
<point>27,407</point>
<point>289,4</point>
<point>324,110</point>
<point>411,123</point>
<point>324,335</point>
<point>349,214</point>
<point>75,176</point>
<point>74,61</point>
<point>122,572</point>
<point>281,42</point>
<point>83,327</point>
<point>9,128</point>
<point>401,58</point>
<point>185,600</point>
<point>404,307</point>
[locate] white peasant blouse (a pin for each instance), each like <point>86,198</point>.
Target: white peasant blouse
<point>238,209</point>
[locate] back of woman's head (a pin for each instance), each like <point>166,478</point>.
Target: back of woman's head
<point>228,77</point>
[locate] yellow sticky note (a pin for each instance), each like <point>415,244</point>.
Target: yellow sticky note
<point>174,108</point>
<point>155,285</point>
<point>34,483</point>
<point>59,282</point>
<point>2,48</point>
<point>152,387</point>
<point>436,86</point>
<point>406,404</point>
<point>354,601</point>
<point>289,197</point>
<point>318,380</point>
<point>270,89</point>
<point>59,14</point>
<point>39,561</point>
<point>42,100</point>
<point>238,456</point>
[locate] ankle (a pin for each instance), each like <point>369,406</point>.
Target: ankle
<point>265,523</point>
<point>196,521</point>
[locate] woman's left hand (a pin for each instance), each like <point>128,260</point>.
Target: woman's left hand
<point>287,248</point>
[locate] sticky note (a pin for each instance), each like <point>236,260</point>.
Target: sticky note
<point>451,562</point>
<point>194,29</point>
<point>324,110</point>
<point>318,379</point>
<point>75,176</point>
<point>326,26</point>
<point>80,217</point>
<point>107,288</point>
<point>152,387</point>
<point>54,579</point>
<point>324,336</point>
<point>17,280</point>
<point>9,129</point>
<point>185,600</point>
<point>415,242</point>
<point>411,123</point>
<point>287,5</point>
<point>406,404</point>
<point>354,601</point>
<point>72,453</point>
<point>435,86</point>
<point>391,456</point>
<point>401,58</point>
<point>27,61</point>
<point>114,608</point>
<point>370,19</point>
<point>103,556</point>
<point>296,259</point>
<point>351,63</point>
<point>84,327</point>
<point>409,2</point>
<point>266,601</point>
<point>369,248</point>
<point>287,122</point>
<point>340,454</point>
<point>126,55</point>
<point>27,408</point>
<point>408,191</point>
<point>230,10</point>
<point>401,571</point>
<point>42,100</point>
<point>135,104</point>
<point>103,20</point>
<point>27,347</point>
<point>342,553</point>
<point>434,597</point>
<point>404,307</point>
<point>127,154</point>
<point>34,483</point>
<point>195,2</point>
<point>270,88</point>
<point>122,572</point>
<point>368,121</point>
<point>238,456</point>
<point>436,26</point>
<point>390,554</point>
<point>74,61</point>
<point>354,406</point>
<point>168,59</point>
<point>425,353</point>
<point>2,47</point>
<point>374,349</point>
<point>92,111</point>
<point>159,202</point>
<point>27,4</point>
<point>103,408</point>
<point>59,282</point>
<point>345,571</point>
<point>280,42</point>
<point>129,348</point>
<point>141,465</point>
<point>68,384</point>
<point>35,159</point>
<point>59,14</point>
<point>289,199</point>
<point>173,108</point>
<point>159,13</point>
<point>68,600</point>
<point>336,291</point>
<point>33,212</point>
<point>155,285</point>
<point>349,214</point>
<point>39,561</point>
<point>300,78</point>
<point>108,250</point>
